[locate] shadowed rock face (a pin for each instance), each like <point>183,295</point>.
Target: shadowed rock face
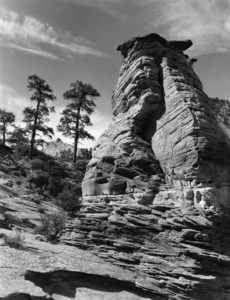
<point>164,134</point>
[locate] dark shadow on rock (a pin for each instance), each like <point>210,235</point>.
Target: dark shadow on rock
<point>23,296</point>
<point>65,283</point>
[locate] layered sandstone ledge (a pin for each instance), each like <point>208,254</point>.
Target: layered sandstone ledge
<point>156,192</point>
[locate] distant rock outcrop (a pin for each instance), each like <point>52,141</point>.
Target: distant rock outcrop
<point>156,191</point>
<point>221,109</point>
<point>58,148</point>
<point>55,148</point>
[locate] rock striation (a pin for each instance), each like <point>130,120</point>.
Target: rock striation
<point>164,134</point>
<point>156,191</point>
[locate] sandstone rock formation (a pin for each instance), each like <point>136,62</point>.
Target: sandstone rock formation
<point>156,192</point>
<point>159,98</point>
<point>42,271</point>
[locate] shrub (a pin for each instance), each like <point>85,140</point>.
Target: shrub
<point>66,155</point>
<point>15,241</point>
<point>56,182</point>
<point>38,164</point>
<point>55,186</point>
<point>58,171</point>
<point>81,164</point>
<point>38,178</point>
<point>69,201</point>
<point>22,149</point>
<point>52,225</point>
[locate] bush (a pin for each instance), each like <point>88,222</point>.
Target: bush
<point>15,241</point>
<point>56,182</point>
<point>22,149</point>
<point>55,186</point>
<point>58,171</point>
<point>38,164</point>
<point>39,179</point>
<point>66,155</point>
<point>81,165</point>
<point>52,225</point>
<point>69,201</point>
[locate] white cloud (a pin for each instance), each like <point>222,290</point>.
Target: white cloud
<point>12,102</point>
<point>30,35</point>
<point>206,22</point>
<point>37,52</point>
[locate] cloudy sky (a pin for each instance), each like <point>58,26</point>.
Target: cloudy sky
<point>67,40</point>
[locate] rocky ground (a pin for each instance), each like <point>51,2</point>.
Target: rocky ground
<point>34,268</point>
<point>176,251</point>
<point>40,270</point>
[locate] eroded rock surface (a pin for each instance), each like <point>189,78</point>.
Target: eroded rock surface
<point>156,192</point>
<point>164,134</point>
<point>41,270</point>
<point>176,252</point>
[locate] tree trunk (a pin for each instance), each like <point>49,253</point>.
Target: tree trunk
<point>34,132</point>
<point>4,134</point>
<point>76,136</point>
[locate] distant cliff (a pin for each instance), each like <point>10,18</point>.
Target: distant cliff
<point>55,148</point>
<point>59,148</point>
<point>221,109</point>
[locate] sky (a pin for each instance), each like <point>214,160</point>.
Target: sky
<point>67,40</point>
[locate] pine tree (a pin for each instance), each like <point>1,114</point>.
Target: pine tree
<point>75,117</point>
<point>36,118</point>
<point>18,136</point>
<point>6,119</point>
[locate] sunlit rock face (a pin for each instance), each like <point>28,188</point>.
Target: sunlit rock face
<point>191,145</point>
<point>164,134</point>
<point>156,192</point>
<point>123,161</point>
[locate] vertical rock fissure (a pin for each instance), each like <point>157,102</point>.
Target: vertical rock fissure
<point>138,101</point>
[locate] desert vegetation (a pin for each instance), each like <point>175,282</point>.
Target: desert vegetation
<point>48,179</point>
<point>52,226</point>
